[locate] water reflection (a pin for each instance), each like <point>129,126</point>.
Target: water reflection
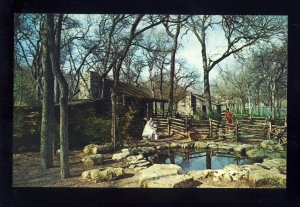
<point>198,160</point>
<point>208,159</point>
<point>172,156</point>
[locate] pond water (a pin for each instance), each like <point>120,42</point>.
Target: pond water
<point>199,160</point>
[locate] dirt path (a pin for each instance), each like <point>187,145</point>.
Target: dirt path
<point>27,173</point>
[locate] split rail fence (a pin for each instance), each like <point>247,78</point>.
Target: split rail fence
<point>252,129</point>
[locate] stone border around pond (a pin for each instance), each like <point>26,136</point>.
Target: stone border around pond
<point>270,169</point>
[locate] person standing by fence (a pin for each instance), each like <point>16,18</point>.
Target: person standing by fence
<point>228,118</point>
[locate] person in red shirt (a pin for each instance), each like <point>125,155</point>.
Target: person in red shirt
<point>228,117</point>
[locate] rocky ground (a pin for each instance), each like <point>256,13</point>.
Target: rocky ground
<point>129,168</point>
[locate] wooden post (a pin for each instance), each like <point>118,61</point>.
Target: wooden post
<point>210,128</point>
<point>285,123</point>
<point>270,129</point>
<point>169,125</point>
<point>163,109</point>
<point>155,108</point>
<point>237,131</point>
<point>186,124</point>
<point>251,119</point>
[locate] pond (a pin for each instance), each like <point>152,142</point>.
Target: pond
<point>199,160</point>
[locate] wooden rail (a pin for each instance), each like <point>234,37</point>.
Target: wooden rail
<point>214,129</point>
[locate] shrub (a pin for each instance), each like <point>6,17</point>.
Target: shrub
<point>214,115</point>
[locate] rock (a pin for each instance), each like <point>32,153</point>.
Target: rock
<point>88,149</point>
<point>201,174</point>
<point>106,148</point>
<point>126,151</point>
<point>93,160</point>
<point>123,154</point>
<point>236,172</point>
<point>267,177</point>
<point>188,145</point>
<point>251,167</point>
<point>279,164</point>
<point>147,151</point>
<point>137,169</point>
<point>257,154</point>
<point>267,144</point>
<point>139,163</point>
<point>164,176</point>
<point>275,155</point>
<point>227,177</point>
<point>97,149</point>
<point>271,145</point>
<point>213,146</point>
<point>173,181</point>
<point>174,145</point>
<point>133,158</point>
<point>119,156</point>
<point>162,147</point>
<point>225,147</point>
<point>136,151</point>
<point>200,145</point>
<point>158,170</point>
<point>243,148</point>
<point>103,174</point>
<point>86,175</point>
<point>222,175</point>
<point>89,162</point>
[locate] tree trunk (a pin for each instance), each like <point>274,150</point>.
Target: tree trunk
<point>172,63</point>
<point>56,92</point>
<point>171,83</point>
<point>39,93</point>
<point>207,92</point>
<point>249,105</point>
<point>63,130</point>
<point>151,80</point>
<point>273,100</point>
<point>114,118</point>
<point>47,106</point>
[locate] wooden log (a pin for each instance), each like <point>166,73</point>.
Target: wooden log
<point>178,120</point>
<point>177,125</point>
<point>186,124</point>
<point>169,126</point>
<point>179,132</point>
<point>201,130</point>
<point>215,124</point>
<point>236,132</point>
<point>253,130</point>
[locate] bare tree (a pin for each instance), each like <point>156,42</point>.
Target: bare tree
<point>28,46</point>
<point>239,31</point>
<point>54,47</point>
<point>134,32</point>
<point>174,36</point>
<point>47,104</point>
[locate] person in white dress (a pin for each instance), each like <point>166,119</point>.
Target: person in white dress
<point>150,130</point>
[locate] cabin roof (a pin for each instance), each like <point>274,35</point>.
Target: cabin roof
<point>135,92</point>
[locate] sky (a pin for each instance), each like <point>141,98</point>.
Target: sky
<point>190,50</point>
